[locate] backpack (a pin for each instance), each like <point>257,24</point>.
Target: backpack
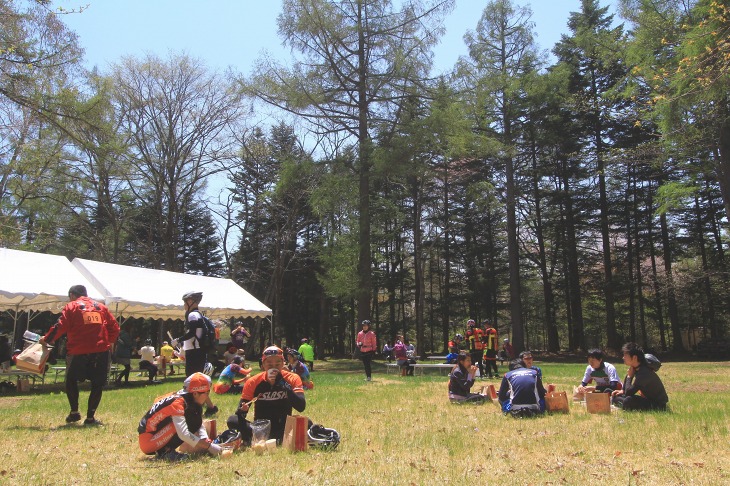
<point>207,341</point>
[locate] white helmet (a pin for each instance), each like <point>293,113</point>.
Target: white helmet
<point>323,437</point>
<point>208,369</point>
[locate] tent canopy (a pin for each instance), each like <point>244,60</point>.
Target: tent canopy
<point>38,281</point>
<point>145,292</point>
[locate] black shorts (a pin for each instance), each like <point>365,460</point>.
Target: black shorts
<point>93,367</point>
<point>194,361</point>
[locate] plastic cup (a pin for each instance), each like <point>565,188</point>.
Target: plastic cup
<point>260,430</point>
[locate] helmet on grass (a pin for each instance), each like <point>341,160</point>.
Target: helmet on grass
<point>323,437</point>
<point>208,369</point>
<point>230,437</point>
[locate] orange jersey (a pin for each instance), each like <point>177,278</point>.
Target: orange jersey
<point>475,337</point>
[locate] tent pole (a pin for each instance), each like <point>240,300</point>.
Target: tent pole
<point>15,323</point>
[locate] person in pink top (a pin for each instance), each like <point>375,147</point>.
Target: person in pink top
<point>367,344</point>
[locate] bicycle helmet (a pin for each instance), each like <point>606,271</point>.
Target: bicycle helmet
<point>230,437</point>
<point>197,382</point>
<point>208,369</point>
<point>293,352</point>
<point>459,336</point>
<point>322,437</point>
<point>195,295</point>
<point>653,362</point>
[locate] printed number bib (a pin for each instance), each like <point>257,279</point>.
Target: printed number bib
<point>92,318</point>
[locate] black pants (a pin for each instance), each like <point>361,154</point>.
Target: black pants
<point>635,402</point>
<point>149,367</point>
<point>93,367</point>
<point>124,375</point>
<point>490,364</point>
<point>194,361</point>
<point>367,359</point>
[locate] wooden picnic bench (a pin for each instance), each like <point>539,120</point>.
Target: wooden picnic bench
<point>20,374</point>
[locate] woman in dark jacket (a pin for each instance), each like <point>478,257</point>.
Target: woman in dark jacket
<point>461,380</point>
<point>123,355</point>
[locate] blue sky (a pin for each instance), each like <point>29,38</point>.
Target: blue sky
<point>235,32</point>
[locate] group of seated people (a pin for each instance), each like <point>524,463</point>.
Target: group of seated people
<point>176,420</point>
<point>235,374</point>
<point>522,392</point>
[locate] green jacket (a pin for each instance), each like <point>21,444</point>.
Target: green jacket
<point>307,351</point>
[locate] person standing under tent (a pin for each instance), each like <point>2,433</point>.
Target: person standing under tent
<point>239,335</point>
<point>123,355</point>
<point>195,356</point>
<point>91,331</point>
<point>167,353</point>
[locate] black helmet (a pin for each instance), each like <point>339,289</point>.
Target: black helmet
<point>366,322</point>
<point>229,437</point>
<point>323,437</point>
<point>148,342</point>
<point>653,362</point>
<point>195,295</point>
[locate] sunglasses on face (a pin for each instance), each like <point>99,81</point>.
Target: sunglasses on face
<point>273,352</point>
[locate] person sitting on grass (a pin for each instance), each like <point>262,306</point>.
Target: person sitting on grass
<point>642,387</point>
<point>296,365</point>
<point>527,362</point>
<point>176,420</point>
<point>276,392</point>
<point>522,392</point>
<point>232,377</point>
<point>602,373</point>
<point>461,379</point>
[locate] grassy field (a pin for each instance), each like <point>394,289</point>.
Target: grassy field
<point>395,430</point>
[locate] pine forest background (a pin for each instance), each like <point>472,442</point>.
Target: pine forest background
<point>574,200</point>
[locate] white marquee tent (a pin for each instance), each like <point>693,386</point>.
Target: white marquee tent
<point>144,292</point>
<point>36,282</point>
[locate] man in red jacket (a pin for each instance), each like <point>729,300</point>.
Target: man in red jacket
<point>90,330</point>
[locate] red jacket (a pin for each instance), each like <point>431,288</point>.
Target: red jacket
<point>368,340</point>
<point>89,326</point>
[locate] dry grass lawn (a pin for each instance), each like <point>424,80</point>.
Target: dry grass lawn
<point>395,430</point>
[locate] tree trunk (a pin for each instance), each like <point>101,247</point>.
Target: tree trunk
<point>671,297</point>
